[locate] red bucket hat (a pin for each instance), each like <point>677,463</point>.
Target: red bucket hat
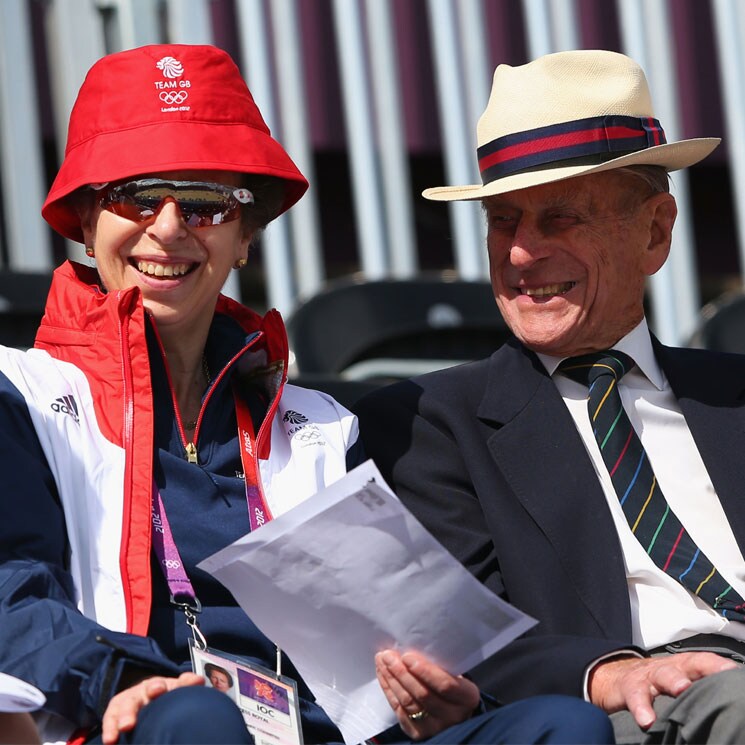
<point>164,107</point>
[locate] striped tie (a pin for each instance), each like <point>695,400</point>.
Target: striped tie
<point>649,515</point>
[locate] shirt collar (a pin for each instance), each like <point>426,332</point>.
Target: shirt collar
<point>637,344</point>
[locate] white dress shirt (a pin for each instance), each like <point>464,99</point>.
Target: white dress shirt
<point>662,610</point>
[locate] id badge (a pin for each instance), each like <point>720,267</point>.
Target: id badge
<point>268,702</point>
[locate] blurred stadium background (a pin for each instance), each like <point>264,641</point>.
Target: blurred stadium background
<point>376,100</point>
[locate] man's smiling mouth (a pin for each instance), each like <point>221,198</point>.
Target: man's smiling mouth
<point>556,289</point>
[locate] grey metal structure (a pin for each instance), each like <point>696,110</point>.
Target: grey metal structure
<point>270,39</point>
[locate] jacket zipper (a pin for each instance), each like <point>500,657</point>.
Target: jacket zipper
<point>190,446</point>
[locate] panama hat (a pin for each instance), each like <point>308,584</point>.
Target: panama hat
<point>569,114</point>
<point>164,107</point>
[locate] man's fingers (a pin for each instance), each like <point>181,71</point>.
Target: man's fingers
<point>671,680</point>
<point>633,683</point>
<point>639,703</point>
<point>700,664</point>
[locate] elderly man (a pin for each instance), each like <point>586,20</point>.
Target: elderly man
<point>616,521</point>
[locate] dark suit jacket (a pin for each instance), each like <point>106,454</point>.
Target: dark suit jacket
<point>487,456</point>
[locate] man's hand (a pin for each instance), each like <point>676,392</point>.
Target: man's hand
<point>633,683</point>
<point>412,684</point>
<point>121,713</point>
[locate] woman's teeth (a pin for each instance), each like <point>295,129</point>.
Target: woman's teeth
<point>162,270</point>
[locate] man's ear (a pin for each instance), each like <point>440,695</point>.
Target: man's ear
<point>661,211</point>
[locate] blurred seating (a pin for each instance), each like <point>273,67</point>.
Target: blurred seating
<point>22,299</point>
<point>354,336</point>
<point>722,324</point>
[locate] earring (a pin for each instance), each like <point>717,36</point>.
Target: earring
<point>240,263</point>
<point>89,252</point>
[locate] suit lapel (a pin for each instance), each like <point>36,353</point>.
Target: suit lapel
<point>711,393</point>
<point>538,449</point>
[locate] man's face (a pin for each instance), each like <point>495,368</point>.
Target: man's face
<point>568,260</point>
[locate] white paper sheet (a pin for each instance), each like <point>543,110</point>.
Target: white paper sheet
<point>17,695</point>
<point>350,572</point>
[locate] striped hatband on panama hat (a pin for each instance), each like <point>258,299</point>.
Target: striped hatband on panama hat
<point>569,114</point>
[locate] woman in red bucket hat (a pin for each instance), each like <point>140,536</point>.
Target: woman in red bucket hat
<point>153,425</point>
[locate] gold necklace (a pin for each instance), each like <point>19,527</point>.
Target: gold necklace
<point>192,423</point>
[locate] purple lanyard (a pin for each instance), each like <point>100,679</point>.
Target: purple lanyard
<point>182,593</point>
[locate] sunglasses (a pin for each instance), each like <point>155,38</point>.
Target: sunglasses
<point>202,203</point>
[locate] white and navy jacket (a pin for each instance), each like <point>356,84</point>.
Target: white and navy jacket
<point>80,444</point>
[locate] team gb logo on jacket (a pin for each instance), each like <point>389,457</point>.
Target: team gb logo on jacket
<point>301,430</point>
<point>171,91</point>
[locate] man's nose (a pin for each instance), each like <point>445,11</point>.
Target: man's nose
<point>529,244</point>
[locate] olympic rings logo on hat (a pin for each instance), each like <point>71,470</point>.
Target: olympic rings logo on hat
<point>173,97</point>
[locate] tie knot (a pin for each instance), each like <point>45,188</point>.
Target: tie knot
<point>587,368</point>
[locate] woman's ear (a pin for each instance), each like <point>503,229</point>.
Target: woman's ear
<point>244,246</point>
<point>87,215</point>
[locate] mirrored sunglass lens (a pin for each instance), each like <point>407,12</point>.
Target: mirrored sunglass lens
<point>192,199</point>
<point>201,205</point>
<point>125,206</point>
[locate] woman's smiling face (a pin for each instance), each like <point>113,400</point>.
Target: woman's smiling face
<point>180,270</point>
